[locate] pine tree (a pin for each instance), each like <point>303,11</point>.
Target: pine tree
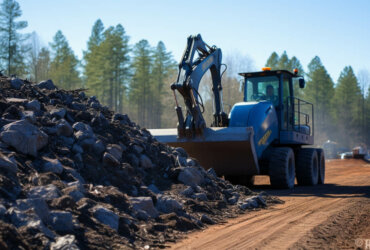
<point>12,43</point>
<point>273,61</point>
<point>107,64</point>
<point>347,99</point>
<point>63,68</point>
<point>163,65</point>
<point>43,65</point>
<point>139,87</point>
<point>93,62</point>
<point>283,62</point>
<point>320,91</point>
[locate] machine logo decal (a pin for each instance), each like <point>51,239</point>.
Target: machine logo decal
<point>264,137</point>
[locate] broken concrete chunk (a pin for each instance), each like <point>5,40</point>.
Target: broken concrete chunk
<point>66,242</point>
<point>24,137</point>
<point>52,165</point>
<point>33,105</point>
<point>191,176</point>
<point>61,221</point>
<point>145,162</point>
<point>106,217</point>
<point>144,204</point>
<point>46,85</point>
<point>48,192</point>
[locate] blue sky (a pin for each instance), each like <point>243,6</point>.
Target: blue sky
<point>337,31</point>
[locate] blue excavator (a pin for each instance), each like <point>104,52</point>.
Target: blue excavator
<point>269,132</point>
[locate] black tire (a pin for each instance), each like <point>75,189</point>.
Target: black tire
<point>246,180</point>
<point>321,158</point>
<point>282,168</point>
<point>307,167</point>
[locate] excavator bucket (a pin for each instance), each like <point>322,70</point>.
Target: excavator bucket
<point>229,151</point>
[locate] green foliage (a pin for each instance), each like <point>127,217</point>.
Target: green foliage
<point>107,64</point>
<point>283,62</point>
<point>320,91</point>
<point>139,95</point>
<point>12,43</point>
<point>63,67</point>
<point>347,108</point>
<point>163,66</point>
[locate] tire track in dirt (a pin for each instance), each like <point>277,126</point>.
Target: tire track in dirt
<point>310,215</point>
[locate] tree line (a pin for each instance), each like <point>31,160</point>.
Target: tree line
<point>135,78</point>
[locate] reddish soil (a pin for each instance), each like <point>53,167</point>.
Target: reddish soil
<point>335,215</point>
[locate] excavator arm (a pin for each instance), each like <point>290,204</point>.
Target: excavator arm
<point>191,71</point>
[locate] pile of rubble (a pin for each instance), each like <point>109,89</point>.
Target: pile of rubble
<point>73,174</point>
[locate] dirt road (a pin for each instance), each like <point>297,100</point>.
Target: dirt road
<point>335,215</point>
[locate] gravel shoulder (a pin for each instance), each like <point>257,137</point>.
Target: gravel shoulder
<point>334,215</point>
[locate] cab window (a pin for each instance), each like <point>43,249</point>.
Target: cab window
<point>262,89</point>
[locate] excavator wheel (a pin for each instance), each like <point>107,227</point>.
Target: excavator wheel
<point>246,180</point>
<point>307,167</point>
<point>321,157</point>
<point>282,168</point>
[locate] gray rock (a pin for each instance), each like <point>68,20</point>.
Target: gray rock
<point>145,162</point>
<point>16,83</point>
<point>190,176</point>
<point>181,152</point>
<point>38,225</point>
<point>212,172</point>
<point>80,126</point>
<point>144,204</point>
<point>61,221</point>
<point>154,189</point>
<point>110,160</point>
<point>24,137</point>
<point>60,113</point>
<point>7,164</point>
<point>205,219</point>
<point>76,184</point>
<point>190,162</point>
<point>188,191</point>
<point>30,220</point>
<point>38,205</point>
<point>21,218</point>
<point>77,149</point>
<point>167,204</point>
<point>181,161</point>
<point>134,161</point>
<point>200,196</point>
<point>115,150</point>
<point>99,147</point>
<point>33,105</point>
<point>75,175</point>
<point>137,149</point>
<point>232,200</point>
<point>46,85</point>
<point>64,128</point>
<point>252,202</point>
<point>66,242</point>
<point>47,192</point>
<point>75,190</point>
<point>106,217</point>
<point>29,116</point>
<point>78,106</point>
<point>74,193</point>
<point>52,165</point>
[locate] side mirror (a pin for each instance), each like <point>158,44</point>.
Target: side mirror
<point>302,83</point>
